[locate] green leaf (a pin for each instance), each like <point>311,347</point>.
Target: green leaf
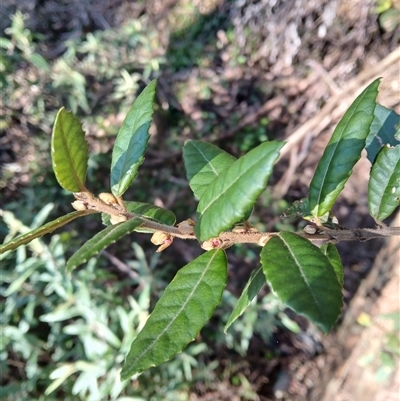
<point>39,232</point>
<point>234,192</point>
<point>131,142</point>
<point>251,289</point>
<point>331,252</point>
<point>69,152</point>
<point>303,278</point>
<point>343,151</point>
<point>384,183</point>
<point>100,241</point>
<point>382,131</point>
<point>204,162</point>
<point>185,306</point>
<point>147,210</point>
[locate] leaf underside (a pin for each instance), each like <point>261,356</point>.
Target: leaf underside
<point>342,152</point>
<point>382,131</point>
<point>231,195</point>
<point>100,241</point>
<point>39,232</point>
<point>131,143</point>
<point>384,183</point>
<point>185,306</point>
<point>303,278</point>
<point>69,152</point>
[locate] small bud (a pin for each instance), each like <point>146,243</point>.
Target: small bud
<point>186,227</point>
<point>79,205</point>
<point>165,245</point>
<point>211,244</point>
<point>108,199</point>
<point>161,238</point>
<point>117,219</point>
<point>309,229</point>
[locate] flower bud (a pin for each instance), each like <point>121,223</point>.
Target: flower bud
<point>79,205</point>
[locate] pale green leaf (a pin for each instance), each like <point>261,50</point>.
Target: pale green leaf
<point>46,229</point>
<point>69,152</point>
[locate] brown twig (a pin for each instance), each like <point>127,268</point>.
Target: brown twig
<point>228,238</point>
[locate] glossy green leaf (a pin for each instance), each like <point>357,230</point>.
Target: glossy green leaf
<point>204,162</point>
<point>342,152</point>
<point>100,241</point>
<point>250,291</point>
<point>185,306</point>
<point>46,229</point>
<point>69,152</point>
<point>384,183</point>
<point>147,210</point>
<point>382,131</point>
<point>331,252</point>
<point>131,142</point>
<point>234,192</point>
<point>303,278</point>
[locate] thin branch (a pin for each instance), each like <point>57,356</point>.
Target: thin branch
<point>226,238</point>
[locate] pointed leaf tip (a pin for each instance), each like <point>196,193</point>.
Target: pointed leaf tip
<point>131,143</point>
<point>185,306</point>
<point>342,152</point>
<point>69,151</point>
<point>231,195</point>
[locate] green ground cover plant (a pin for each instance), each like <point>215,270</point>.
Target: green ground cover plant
<point>306,277</point>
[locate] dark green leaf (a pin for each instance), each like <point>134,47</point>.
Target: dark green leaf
<point>100,241</point>
<point>382,131</point>
<point>147,210</point>
<point>251,289</point>
<point>131,142</point>
<point>331,252</point>
<point>203,163</point>
<point>303,278</point>
<point>343,151</point>
<point>69,152</point>
<point>384,183</point>
<point>39,232</point>
<point>234,192</point>
<point>186,305</point>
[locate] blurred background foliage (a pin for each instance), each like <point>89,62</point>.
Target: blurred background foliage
<point>218,62</point>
